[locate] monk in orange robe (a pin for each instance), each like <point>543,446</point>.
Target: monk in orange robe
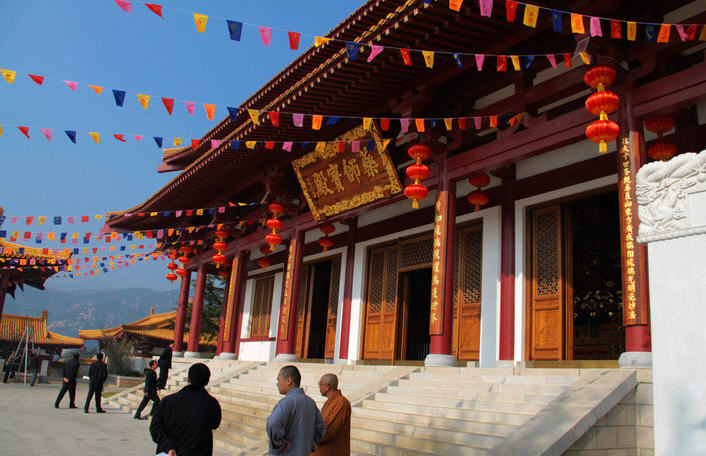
<point>337,417</point>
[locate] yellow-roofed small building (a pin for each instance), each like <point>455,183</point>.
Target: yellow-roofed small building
<point>12,329</point>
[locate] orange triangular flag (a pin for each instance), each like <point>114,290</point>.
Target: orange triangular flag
<point>95,136</point>
<point>144,100</point>
<point>200,20</point>
<point>96,89</point>
<point>210,110</point>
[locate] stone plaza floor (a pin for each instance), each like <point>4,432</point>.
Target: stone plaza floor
<point>31,426</point>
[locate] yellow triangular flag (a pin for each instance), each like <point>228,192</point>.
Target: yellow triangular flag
<point>41,219</point>
<point>51,236</point>
<point>515,62</point>
<point>385,142</point>
<point>702,35</point>
<point>632,30</point>
<point>177,141</point>
<point>531,14</point>
<point>96,89</point>
<point>319,40</point>
<point>9,75</point>
<point>250,144</point>
<point>95,136</point>
<point>210,110</point>
<point>74,235</point>
<point>428,58</point>
<point>200,21</point>
<point>154,214</point>
<point>199,211</point>
<point>577,24</point>
<point>585,57</point>
<point>320,146</point>
<point>0,130</point>
<point>449,122</point>
<point>367,123</point>
<point>144,100</point>
<point>254,116</point>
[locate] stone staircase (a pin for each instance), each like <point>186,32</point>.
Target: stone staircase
<point>408,410</point>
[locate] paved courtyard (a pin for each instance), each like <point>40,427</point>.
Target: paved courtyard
<point>31,426</point>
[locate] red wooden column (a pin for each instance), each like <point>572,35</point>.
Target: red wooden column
<point>221,322</point>
<point>506,350</point>
<point>234,308</point>
<point>192,350</point>
<point>286,334</point>
<point>348,289</point>
<point>181,315</point>
<point>442,274</point>
<point>636,311</point>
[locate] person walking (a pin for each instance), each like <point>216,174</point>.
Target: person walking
<point>183,423</point>
<point>34,367</point>
<point>97,375</point>
<point>69,381</point>
<point>150,391</point>
<point>7,367</point>
<point>295,426</point>
<point>165,363</point>
<point>337,418</point>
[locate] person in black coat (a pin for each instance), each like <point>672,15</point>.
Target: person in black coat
<point>165,363</point>
<point>183,423</point>
<point>8,367</point>
<point>150,391</point>
<point>97,374</point>
<point>69,383</point>
<point>34,367</point>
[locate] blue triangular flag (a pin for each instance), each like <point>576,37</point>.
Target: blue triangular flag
<point>557,20</point>
<point>119,97</point>
<point>235,29</point>
<point>235,145</point>
<point>72,135</point>
<point>166,213</point>
<point>457,58</point>
<point>3,233</point>
<point>371,145</point>
<point>331,120</point>
<point>129,237</point>
<point>233,113</point>
<point>651,32</point>
<point>304,144</point>
<point>63,236</point>
<point>57,220</point>
<point>211,211</point>
<point>86,241</point>
<point>71,275</point>
<point>105,270</point>
<point>352,49</point>
<point>75,251</point>
<point>122,248</point>
<point>158,140</point>
<point>432,122</point>
<point>530,59</point>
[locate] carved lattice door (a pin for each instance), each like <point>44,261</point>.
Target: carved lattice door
<point>467,293</point>
<point>381,310</point>
<point>302,306</point>
<point>546,319</point>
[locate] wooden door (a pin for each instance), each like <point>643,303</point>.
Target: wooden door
<point>334,283</point>
<point>546,316</point>
<point>381,304</point>
<point>303,304</point>
<point>467,293</point>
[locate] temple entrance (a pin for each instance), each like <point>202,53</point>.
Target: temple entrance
<point>318,306</point>
<point>575,309</point>
<point>414,337</point>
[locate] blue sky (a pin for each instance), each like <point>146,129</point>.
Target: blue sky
<point>95,42</point>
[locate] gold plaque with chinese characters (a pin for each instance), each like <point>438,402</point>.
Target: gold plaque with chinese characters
<point>335,182</point>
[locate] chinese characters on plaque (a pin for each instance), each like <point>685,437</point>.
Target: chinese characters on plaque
<point>631,314</point>
<point>437,270</point>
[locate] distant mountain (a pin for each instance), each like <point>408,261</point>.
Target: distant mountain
<point>70,311</point>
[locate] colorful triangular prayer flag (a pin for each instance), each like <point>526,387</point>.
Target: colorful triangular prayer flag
<point>71,134</point>
<point>577,24</point>
<point>405,56</point>
<point>419,123</point>
<point>190,105</point>
<point>479,61</point>
<point>374,51</point>
<point>96,89</point>
<point>320,40</point>
<point>200,20</point>
<point>352,49</point>
<point>501,63</point>
<point>156,9</point>
<point>138,137</point>
<point>233,113</point>
<point>215,143</point>
<point>552,60</point>
<point>385,124</point>
<point>119,97</point>
<point>9,75</point>
<point>38,79</point>
<point>287,145</point>
<point>651,32</point>
<point>265,34</point>
<point>294,40</point>
<point>47,133</point>
<point>557,21</point>
<point>144,100</point>
<point>531,15</point>
<point>158,140</point>
<point>486,8</point>
<point>25,131</point>
<point>455,5</point>
<point>449,123</point>
<point>515,59</point>
<point>210,110</point>
<point>124,5</point>
<point>632,30</point>
<point>177,141</point>
<point>250,144</point>
<point>615,31</point>
<point>428,58</point>
<point>595,24</point>
<point>298,119</point>
<point>254,116</point>
<point>71,84</point>
<point>235,29</point>
<point>274,118</point>
<point>510,10</point>
<point>120,137</point>
<point>95,136</point>
<point>195,143</point>
<point>316,121</point>
<point>663,36</point>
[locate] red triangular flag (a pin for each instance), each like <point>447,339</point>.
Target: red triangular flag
<point>462,123</point>
<point>274,117</point>
<point>195,143</point>
<point>25,131</point>
<point>38,79</point>
<point>341,147</point>
<point>384,124</point>
<point>156,9</point>
<point>119,137</point>
<point>294,40</point>
<point>269,145</point>
<point>169,104</point>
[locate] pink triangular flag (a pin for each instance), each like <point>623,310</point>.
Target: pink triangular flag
<point>47,132</point>
<point>298,119</point>
<point>477,121</point>
<point>355,146</point>
<point>190,105</point>
<point>596,26</point>
<point>215,143</point>
<point>265,34</point>
<point>681,31</point>
<point>124,5</point>
<point>404,124</point>
<point>486,7</point>
<point>374,51</point>
<point>552,60</point>
<point>479,61</point>
<point>287,145</point>
<point>138,137</point>
<point>72,85</point>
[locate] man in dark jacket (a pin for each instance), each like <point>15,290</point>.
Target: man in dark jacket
<point>69,383</point>
<point>165,363</point>
<point>150,391</point>
<point>183,423</point>
<point>8,367</point>
<point>34,367</point>
<point>97,374</point>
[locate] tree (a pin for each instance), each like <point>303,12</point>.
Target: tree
<point>212,302</point>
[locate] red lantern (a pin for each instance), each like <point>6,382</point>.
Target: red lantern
<point>602,103</point>
<point>416,192</point>
<point>326,242</point>
<point>276,208</point>
<point>219,246</point>
<point>264,262</point>
<point>478,198</point>
<point>418,171</point>
<point>265,249</point>
<point>171,277</point>
<point>172,254</point>
<point>185,249</point>
<point>599,77</point>
<point>273,239</point>
<point>660,124</point>
<point>661,149</point>
<point>181,272</point>
<point>274,224</point>
<point>420,152</point>
<point>172,266</point>
<point>602,132</point>
<point>479,180</point>
<point>224,273</point>
<point>219,259</point>
<point>184,260</point>
<point>222,234</point>
<point>327,228</point>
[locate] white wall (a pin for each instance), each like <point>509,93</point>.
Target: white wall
<point>260,350</point>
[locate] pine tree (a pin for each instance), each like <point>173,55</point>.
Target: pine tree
<point>212,302</point>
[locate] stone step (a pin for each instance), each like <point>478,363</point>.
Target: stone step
<point>366,448</point>
<point>242,419</point>
<point>235,438</point>
<point>456,394</point>
<point>487,378</point>
<point>227,445</point>
<point>460,404</point>
<point>421,446</point>
<point>422,387</point>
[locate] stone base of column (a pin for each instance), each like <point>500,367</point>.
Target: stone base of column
<point>433,359</point>
<point>635,360</point>
<point>226,355</point>
<point>178,354</point>
<point>505,363</point>
<point>286,358</point>
<point>192,355</point>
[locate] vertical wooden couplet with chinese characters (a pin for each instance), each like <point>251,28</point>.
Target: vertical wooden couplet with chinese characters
<point>181,312</point>
<point>441,312</point>
<point>287,324</point>
<point>233,317</point>
<point>635,308</point>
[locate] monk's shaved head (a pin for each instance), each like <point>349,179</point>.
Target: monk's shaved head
<point>331,380</point>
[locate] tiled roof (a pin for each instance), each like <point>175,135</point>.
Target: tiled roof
<point>12,328</point>
<point>10,249</point>
<point>167,334</point>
